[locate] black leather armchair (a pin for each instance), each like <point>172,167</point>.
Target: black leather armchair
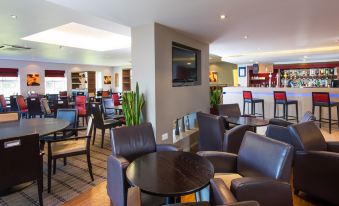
<point>213,136</point>
<point>128,143</point>
<point>316,163</point>
<point>260,171</point>
<point>308,116</point>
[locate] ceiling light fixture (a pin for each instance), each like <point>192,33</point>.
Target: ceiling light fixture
<point>245,37</point>
<point>189,63</point>
<point>305,57</point>
<point>81,36</point>
<point>251,60</point>
<point>257,62</point>
<point>14,16</point>
<point>222,16</point>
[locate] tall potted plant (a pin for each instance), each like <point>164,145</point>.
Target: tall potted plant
<point>132,104</point>
<point>215,99</point>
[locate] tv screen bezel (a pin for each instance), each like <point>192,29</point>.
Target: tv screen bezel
<point>197,63</point>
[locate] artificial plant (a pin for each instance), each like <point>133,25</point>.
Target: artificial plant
<point>132,104</point>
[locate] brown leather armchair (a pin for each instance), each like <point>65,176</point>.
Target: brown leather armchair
<point>260,171</point>
<point>128,143</point>
<point>316,162</point>
<point>213,136</point>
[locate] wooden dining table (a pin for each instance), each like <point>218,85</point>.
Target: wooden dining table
<point>247,120</point>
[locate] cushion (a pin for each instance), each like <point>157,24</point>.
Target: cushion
<point>45,106</point>
<point>69,146</point>
<point>227,178</point>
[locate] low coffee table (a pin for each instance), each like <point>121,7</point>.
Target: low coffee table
<point>251,121</point>
<point>170,174</point>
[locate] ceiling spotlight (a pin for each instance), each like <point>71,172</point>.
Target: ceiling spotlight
<point>257,62</point>
<point>305,57</point>
<point>222,16</point>
<point>258,48</point>
<point>251,60</point>
<point>245,37</point>
<point>14,16</point>
<point>189,63</point>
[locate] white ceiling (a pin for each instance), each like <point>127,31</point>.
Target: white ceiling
<point>34,16</point>
<point>271,25</point>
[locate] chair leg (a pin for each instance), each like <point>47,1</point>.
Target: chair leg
<point>243,108</point>
<point>320,116</point>
<point>40,189</point>
<point>338,115</point>
<point>65,161</point>
<point>95,132</point>
<point>54,166</point>
<point>263,110</point>
<point>275,110</point>
<point>286,114</point>
<point>89,165</point>
<point>284,111</point>
<point>330,117</point>
<point>297,112</point>
<point>49,171</point>
<point>102,137</point>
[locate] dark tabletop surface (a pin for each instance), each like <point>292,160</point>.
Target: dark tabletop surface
<point>251,121</point>
<point>170,174</point>
<point>42,126</point>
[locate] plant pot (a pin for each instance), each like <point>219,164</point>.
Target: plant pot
<point>213,111</point>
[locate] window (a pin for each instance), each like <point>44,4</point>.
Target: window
<point>9,86</point>
<point>53,85</point>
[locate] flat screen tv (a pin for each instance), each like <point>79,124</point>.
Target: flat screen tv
<point>186,65</point>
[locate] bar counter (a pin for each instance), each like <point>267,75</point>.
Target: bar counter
<point>303,95</point>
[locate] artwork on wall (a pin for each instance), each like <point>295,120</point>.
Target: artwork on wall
<point>116,80</point>
<point>242,71</point>
<point>213,76</point>
<point>107,79</point>
<point>33,80</point>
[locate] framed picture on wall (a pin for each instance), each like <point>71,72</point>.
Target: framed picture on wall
<point>116,80</point>
<point>213,76</point>
<point>33,80</point>
<point>242,71</point>
<point>107,79</point>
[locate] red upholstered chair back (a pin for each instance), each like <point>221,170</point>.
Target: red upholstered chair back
<point>3,101</point>
<point>105,94</point>
<point>279,96</point>
<point>115,98</point>
<point>63,94</point>
<point>320,97</point>
<point>21,103</point>
<point>80,102</point>
<point>247,95</point>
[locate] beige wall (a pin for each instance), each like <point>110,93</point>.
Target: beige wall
<point>225,72</point>
<point>152,68</point>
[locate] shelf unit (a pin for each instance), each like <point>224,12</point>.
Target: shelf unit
<point>89,81</point>
<point>126,80</point>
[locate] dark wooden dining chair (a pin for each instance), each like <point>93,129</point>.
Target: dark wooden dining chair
<point>68,147</point>
<point>34,107</point>
<point>21,162</point>
<point>100,123</point>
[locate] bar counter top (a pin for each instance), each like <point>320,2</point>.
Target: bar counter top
<point>303,95</point>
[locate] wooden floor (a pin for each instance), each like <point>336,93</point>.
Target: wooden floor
<point>98,195</point>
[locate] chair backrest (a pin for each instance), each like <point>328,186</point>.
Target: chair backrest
<point>260,156</point>
<point>107,104</point>
<point>14,104</point>
<point>133,142</point>
<point>20,160</point>
<point>115,97</point>
<point>279,133</point>
<point>80,101</point>
<point>279,96</point>
<point>63,94</point>
<point>3,101</point>
<point>105,94</point>
<point>98,120</point>
<point>21,103</point>
<point>211,132</point>
<point>9,116</point>
<point>70,115</point>
<point>307,136</point>
<point>45,106</point>
<point>52,97</point>
<point>34,106</point>
<point>247,95</point>
<point>230,110</point>
<point>234,137</point>
<point>320,97</point>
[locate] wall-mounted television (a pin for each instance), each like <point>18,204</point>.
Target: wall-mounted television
<point>186,65</point>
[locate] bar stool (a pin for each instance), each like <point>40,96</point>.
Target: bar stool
<point>248,99</point>
<point>322,99</point>
<point>281,98</point>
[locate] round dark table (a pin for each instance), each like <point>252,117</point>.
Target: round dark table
<point>251,121</point>
<point>170,174</point>
<point>42,126</point>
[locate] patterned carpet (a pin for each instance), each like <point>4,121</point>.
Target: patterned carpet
<point>69,181</point>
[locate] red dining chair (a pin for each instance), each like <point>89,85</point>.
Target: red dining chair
<point>22,106</point>
<point>3,104</point>
<point>105,94</point>
<point>115,97</point>
<point>80,103</point>
<point>63,94</point>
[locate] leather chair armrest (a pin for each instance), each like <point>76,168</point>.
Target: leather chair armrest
<point>116,179</point>
<point>279,133</point>
<point>223,162</point>
<point>220,194</point>
<point>266,191</point>
<point>166,147</point>
<point>333,147</point>
<point>243,203</point>
<point>279,122</point>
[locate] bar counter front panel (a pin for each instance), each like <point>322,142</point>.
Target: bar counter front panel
<point>303,95</point>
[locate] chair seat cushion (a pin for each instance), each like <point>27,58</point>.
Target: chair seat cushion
<point>227,178</point>
<point>24,110</point>
<point>69,146</point>
<point>254,100</point>
<point>325,104</point>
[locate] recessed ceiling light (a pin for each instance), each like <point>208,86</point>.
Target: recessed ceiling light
<point>245,37</point>
<point>81,36</point>
<point>14,16</point>
<point>305,57</point>
<point>222,16</point>
<point>259,48</point>
<point>189,63</point>
<point>257,62</point>
<point>337,40</point>
<point>251,60</point>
